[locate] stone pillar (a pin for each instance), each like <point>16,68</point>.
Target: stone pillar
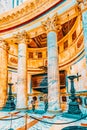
<point>22,71</point>
<point>82,4</point>
<point>3,72</point>
<point>51,26</point>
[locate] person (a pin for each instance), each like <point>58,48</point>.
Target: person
<point>79,100</point>
<point>45,102</point>
<point>33,105</point>
<point>33,102</point>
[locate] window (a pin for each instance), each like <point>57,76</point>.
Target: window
<point>74,36</point>
<point>30,54</point>
<point>65,44</point>
<point>58,49</point>
<point>39,54</point>
<point>79,42</point>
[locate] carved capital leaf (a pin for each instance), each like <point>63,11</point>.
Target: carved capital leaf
<point>4,44</point>
<point>82,4</point>
<point>52,24</point>
<point>22,37</point>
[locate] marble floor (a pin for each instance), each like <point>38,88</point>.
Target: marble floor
<point>22,120</point>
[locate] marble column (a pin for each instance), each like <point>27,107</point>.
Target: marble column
<point>22,71</point>
<point>82,4</point>
<point>3,72</point>
<point>51,26</point>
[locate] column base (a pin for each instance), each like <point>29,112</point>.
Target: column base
<point>21,106</point>
<point>50,114</point>
<point>22,109</point>
<point>11,129</point>
<point>54,111</point>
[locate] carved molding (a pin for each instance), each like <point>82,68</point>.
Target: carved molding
<point>27,8</point>
<point>5,27</point>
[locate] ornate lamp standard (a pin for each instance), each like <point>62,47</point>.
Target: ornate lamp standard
<point>10,105</point>
<point>73,105</point>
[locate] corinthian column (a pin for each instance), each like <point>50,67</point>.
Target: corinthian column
<point>51,26</point>
<point>22,71</point>
<point>3,71</point>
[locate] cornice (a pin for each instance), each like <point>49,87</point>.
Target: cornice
<point>22,19</point>
<point>15,24</point>
<point>26,13</point>
<point>72,12</point>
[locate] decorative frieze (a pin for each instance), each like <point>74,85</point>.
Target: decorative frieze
<point>27,8</point>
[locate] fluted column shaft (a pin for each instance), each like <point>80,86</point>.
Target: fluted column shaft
<point>22,72</point>
<point>53,69</point>
<point>3,72</point>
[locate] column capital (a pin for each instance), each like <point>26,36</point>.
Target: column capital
<point>82,5</point>
<point>22,37</point>
<point>52,24</point>
<point>4,44</point>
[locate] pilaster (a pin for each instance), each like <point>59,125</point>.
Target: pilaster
<point>3,71</point>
